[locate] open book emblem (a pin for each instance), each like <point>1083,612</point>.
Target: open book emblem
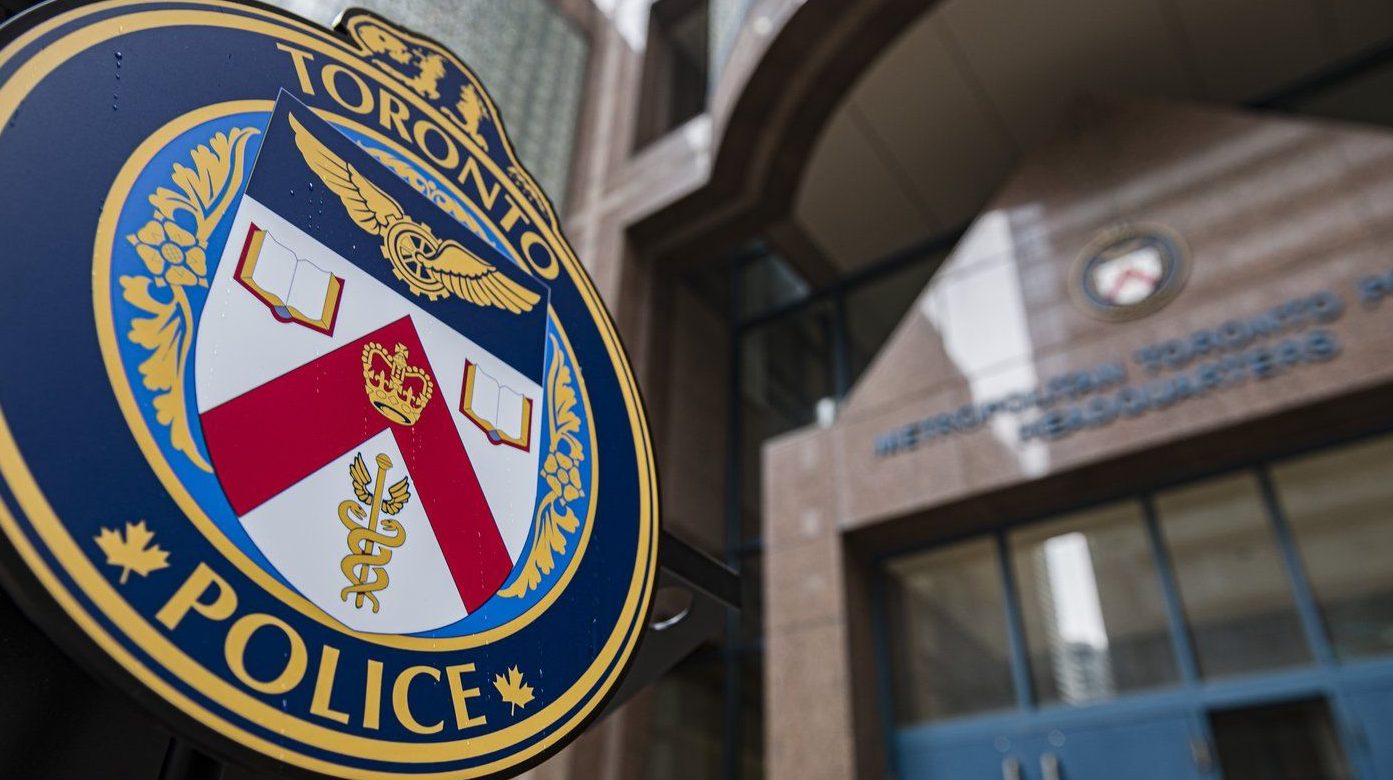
<point>295,289</point>
<point>501,412</point>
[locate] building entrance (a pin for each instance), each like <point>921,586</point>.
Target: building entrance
<point>1237,627</point>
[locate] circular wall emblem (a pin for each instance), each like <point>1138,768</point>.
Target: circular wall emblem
<point>314,411</point>
<point>1129,271</point>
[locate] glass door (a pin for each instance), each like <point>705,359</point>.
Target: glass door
<point>1339,507</point>
<point>1237,627</point>
<point>1277,741</point>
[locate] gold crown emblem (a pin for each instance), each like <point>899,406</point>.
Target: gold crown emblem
<point>396,389</point>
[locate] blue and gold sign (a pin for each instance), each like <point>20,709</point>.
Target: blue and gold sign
<point>315,436</point>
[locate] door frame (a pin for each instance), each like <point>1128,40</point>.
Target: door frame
<point>1325,676</point>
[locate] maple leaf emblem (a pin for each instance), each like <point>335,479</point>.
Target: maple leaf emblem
<point>512,689</point>
<point>134,553</point>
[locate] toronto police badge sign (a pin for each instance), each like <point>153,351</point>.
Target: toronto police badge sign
<point>314,434</point>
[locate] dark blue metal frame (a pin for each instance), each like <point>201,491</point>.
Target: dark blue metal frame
<point>1181,646</point>
<point>1015,627</point>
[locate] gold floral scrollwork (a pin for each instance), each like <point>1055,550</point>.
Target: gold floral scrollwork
<point>173,246</point>
<point>555,519</point>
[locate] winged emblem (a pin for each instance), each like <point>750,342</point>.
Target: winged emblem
<point>430,266</point>
<point>397,495</point>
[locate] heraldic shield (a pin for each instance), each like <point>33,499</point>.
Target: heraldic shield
<point>370,398</point>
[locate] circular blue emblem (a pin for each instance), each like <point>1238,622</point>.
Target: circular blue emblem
<point>311,410</point>
<point>1129,271</point>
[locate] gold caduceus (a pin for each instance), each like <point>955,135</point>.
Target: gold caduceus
<point>370,549</point>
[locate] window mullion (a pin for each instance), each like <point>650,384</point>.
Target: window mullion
<point>1181,643</point>
<point>1306,606</point>
<point>1015,627</point>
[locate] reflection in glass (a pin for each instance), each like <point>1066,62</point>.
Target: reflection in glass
<point>785,371</point>
<point>1340,508</point>
<point>874,309</point>
<point>751,716</point>
<point>1232,582</point>
<point>768,282</point>
<point>684,723</point>
<point>751,599</point>
<point>1359,97</point>
<point>1279,740</point>
<point>947,623</point>
<point>1095,621</point>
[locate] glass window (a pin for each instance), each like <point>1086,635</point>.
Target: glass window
<point>875,308</point>
<point>785,372</point>
<point>751,716</point>
<point>1364,97</point>
<point>675,68</point>
<point>947,623</point>
<point>1231,578</point>
<point>1095,620</point>
<point>786,369</point>
<point>751,599</point>
<point>1340,508</point>
<point>1276,740</point>
<point>768,282</point>
<point>685,731</point>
